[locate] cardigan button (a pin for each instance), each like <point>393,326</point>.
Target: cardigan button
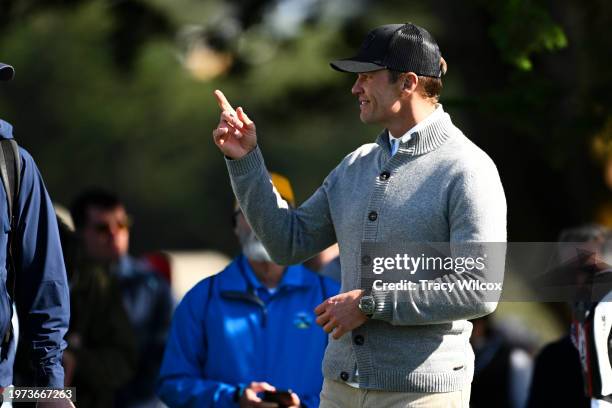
<point>372,216</point>
<point>359,340</point>
<point>384,176</point>
<point>344,376</point>
<point>365,260</point>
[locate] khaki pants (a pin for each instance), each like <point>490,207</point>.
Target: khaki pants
<point>336,394</point>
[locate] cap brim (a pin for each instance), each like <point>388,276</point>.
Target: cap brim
<point>6,72</point>
<point>351,65</point>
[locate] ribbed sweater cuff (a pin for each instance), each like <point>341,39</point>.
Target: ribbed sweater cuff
<point>384,305</point>
<point>251,161</point>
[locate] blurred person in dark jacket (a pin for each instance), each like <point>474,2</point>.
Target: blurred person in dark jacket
<point>103,226</point>
<point>557,377</point>
<point>101,353</point>
<point>502,368</point>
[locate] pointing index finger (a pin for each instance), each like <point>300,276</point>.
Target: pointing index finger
<point>223,102</point>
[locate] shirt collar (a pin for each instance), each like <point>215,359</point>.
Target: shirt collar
<point>249,273</point>
<point>432,117</point>
<point>426,139</point>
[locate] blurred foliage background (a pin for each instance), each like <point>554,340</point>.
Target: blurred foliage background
<point>118,93</point>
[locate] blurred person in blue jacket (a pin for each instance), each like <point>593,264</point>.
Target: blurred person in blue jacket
<point>251,328</point>
<point>103,226</point>
<point>40,284</point>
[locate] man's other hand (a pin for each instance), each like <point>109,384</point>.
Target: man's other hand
<point>341,313</point>
<point>235,135</point>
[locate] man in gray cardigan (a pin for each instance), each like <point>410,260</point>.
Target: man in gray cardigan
<point>421,181</point>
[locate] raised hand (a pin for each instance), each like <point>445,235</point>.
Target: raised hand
<point>235,135</point>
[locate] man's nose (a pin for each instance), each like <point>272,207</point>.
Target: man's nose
<point>357,88</point>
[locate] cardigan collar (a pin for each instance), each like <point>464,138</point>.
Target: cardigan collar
<point>424,140</point>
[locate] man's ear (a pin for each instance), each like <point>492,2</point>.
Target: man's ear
<point>410,82</point>
<point>407,83</point>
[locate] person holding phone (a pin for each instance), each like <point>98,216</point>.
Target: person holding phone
<point>247,337</point>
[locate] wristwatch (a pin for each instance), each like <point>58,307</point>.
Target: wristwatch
<point>367,305</point>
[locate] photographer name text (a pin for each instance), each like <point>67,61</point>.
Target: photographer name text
<point>406,285</point>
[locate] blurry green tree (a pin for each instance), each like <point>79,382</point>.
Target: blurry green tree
<point>118,94</point>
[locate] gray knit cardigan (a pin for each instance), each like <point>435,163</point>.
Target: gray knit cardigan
<point>439,187</point>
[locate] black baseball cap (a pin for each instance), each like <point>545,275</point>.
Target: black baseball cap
<point>6,72</point>
<point>399,47</point>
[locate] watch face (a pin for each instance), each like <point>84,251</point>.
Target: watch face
<point>366,304</point>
